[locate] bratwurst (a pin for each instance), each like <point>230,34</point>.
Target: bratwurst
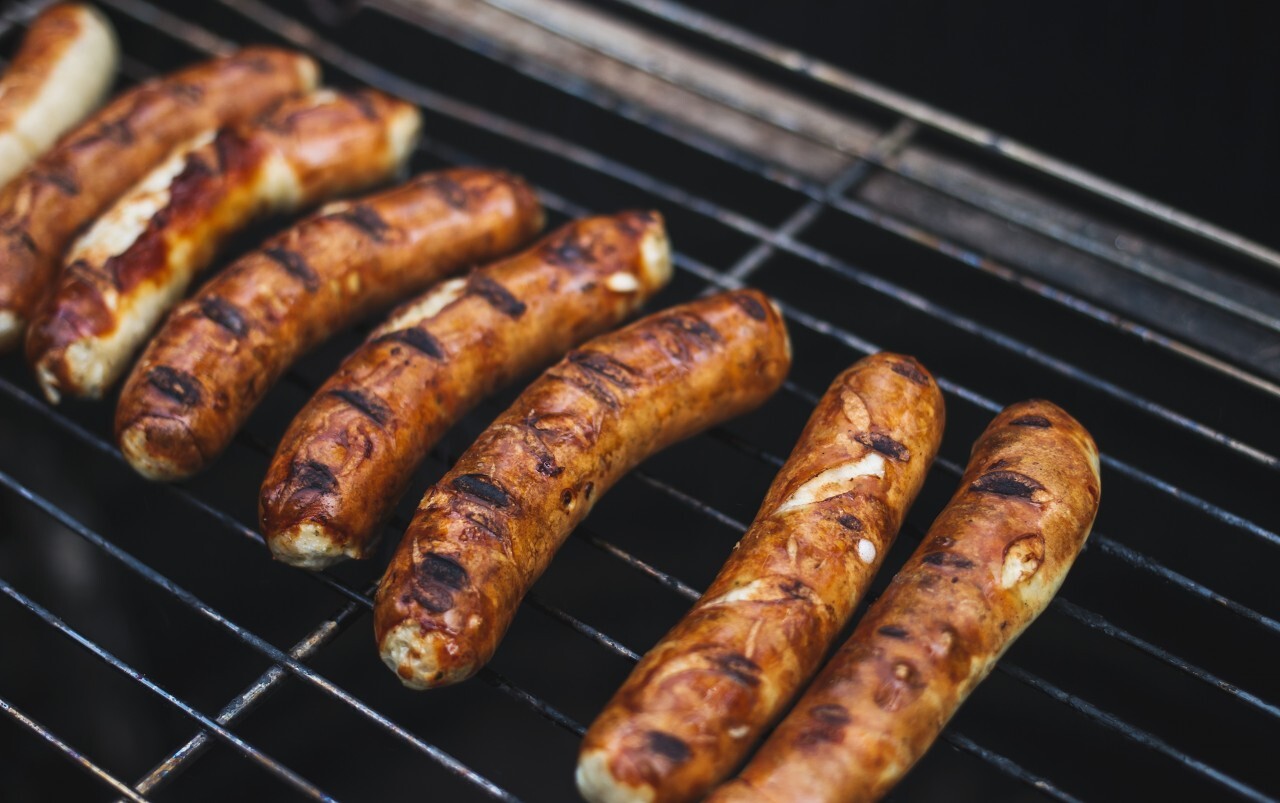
<point>373,422</point>
<point>221,350</point>
<point>489,528</point>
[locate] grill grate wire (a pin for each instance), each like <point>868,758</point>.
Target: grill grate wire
<point>767,241</point>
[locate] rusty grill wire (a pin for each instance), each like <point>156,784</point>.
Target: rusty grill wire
<point>234,22</point>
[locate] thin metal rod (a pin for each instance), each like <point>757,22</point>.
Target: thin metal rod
<point>1131,732</point>
<point>453,765</point>
<point>262,759</point>
<point>72,754</point>
<point>801,63</point>
<point>820,195</point>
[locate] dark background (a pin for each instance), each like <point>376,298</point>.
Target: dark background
<point>1179,100</point>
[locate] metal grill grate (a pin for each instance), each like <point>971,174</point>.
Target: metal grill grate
<point>1146,666</point>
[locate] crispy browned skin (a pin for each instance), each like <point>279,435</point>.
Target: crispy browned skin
<point>489,528</point>
<point>700,699</point>
<point>107,300</point>
<point>91,166</point>
<point>222,349</point>
<point>372,423</point>
<point>62,71</point>
<point>988,566</point>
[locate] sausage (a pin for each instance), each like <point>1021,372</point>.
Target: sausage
<point>139,258</point>
<point>221,350</point>
<point>49,202</point>
<point>61,73</point>
<point>373,422</point>
<point>488,529</point>
<point>988,566</point>
<point>700,699</point>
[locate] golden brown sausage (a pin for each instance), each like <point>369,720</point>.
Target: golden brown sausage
<point>373,422</point>
<point>988,566</point>
<point>62,71</point>
<point>700,699</point>
<point>139,258</point>
<point>44,207</point>
<point>221,350</point>
<point>488,529</point>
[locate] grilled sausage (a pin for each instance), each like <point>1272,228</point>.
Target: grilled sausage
<point>61,73</point>
<point>987,567</point>
<point>221,350</point>
<point>488,529</point>
<point>373,422</point>
<point>138,259</point>
<point>44,207</point>
<point>699,700</point>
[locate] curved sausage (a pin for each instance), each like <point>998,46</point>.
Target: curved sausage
<point>139,258</point>
<point>488,529</point>
<point>48,203</point>
<point>61,73</point>
<point>987,568</point>
<point>222,349</point>
<point>700,699</point>
<point>373,422</point>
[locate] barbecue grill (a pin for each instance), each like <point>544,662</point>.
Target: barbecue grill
<point>152,651</point>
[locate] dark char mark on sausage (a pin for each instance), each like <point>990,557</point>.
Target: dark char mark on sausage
<point>482,488</point>
<point>1006,483</point>
<point>496,295</point>
<point>750,306</point>
<point>180,386</point>
<point>850,522</point>
<point>910,370</point>
<point>417,339</point>
<point>947,560</point>
<point>669,747</point>
<point>893,631</point>
<point>366,219</point>
<point>435,579</point>
<point>451,192</point>
<point>882,443</point>
<point>371,407</point>
<point>740,668</point>
<point>308,475</point>
<point>1036,421</point>
<point>224,314</point>
<point>295,265</point>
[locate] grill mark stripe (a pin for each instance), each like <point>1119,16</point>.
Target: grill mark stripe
<point>366,220</point>
<point>295,265</point>
<point>371,407</point>
<point>224,314</point>
<point>417,339</point>
<point>496,295</point>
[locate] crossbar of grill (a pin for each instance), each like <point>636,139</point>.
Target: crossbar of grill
<point>356,600</point>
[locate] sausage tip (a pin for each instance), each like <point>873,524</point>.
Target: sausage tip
<point>596,782</point>
<point>308,545</point>
<point>411,654</point>
<point>160,448</point>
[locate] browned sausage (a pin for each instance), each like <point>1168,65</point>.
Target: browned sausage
<point>44,207</point>
<point>488,529</point>
<point>139,258</point>
<point>373,422</point>
<point>988,566</point>
<point>701,698</point>
<point>221,350</point>
<point>62,71</point>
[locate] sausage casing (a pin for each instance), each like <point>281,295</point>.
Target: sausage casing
<point>700,699</point>
<point>61,72</point>
<point>222,349</point>
<point>488,529</point>
<point>139,258</point>
<point>49,202</point>
<point>988,566</point>
<point>373,422</point>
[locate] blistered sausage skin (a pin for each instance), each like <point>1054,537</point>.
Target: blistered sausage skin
<point>222,349</point>
<point>488,529</point>
<point>372,423</point>
<point>63,69</point>
<point>700,699</point>
<point>986,569</point>
<point>49,202</point>
<point>139,258</point>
